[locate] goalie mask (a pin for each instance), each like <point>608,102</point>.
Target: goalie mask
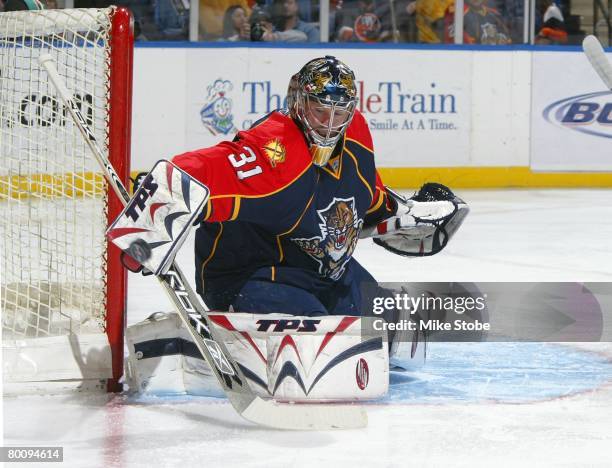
<point>322,99</point>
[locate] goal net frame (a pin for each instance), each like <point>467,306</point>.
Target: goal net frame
<point>40,359</point>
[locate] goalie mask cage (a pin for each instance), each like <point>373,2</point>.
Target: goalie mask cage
<point>63,290</point>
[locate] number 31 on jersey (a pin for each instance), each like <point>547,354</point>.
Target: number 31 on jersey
<point>243,159</point>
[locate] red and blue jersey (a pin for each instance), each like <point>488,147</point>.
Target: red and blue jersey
<point>273,215</point>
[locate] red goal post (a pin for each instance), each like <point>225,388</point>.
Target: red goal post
<point>119,141</point>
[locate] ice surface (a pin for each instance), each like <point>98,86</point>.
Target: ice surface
<point>494,404</point>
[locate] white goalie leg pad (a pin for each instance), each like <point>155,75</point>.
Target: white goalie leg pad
<point>284,357</point>
<point>156,221</point>
<point>163,360</point>
<point>407,348</point>
<point>294,358</point>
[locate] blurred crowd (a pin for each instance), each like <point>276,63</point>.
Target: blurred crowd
<point>489,22</point>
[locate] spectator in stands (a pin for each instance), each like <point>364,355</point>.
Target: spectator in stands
<point>211,16</point>
<point>236,25</point>
<point>309,12</point>
<point>513,12</point>
<point>481,24</point>
<point>553,30</point>
<point>406,21</point>
<point>401,17</point>
<point>262,29</point>
<point>172,19</point>
<point>138,34</point>
<point>335,18</point>
<point>285,18</point>
<point>361,22</point>
<point>430,19</point>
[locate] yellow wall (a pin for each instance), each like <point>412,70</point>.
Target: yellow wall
<point>492,177</point>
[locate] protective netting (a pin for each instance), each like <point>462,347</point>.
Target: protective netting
<point>52,196</point>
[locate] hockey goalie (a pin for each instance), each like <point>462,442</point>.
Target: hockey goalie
<point>279,211</point>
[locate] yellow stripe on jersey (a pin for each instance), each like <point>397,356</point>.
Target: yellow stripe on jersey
<point>278,237</point>
<point>211,255</point>
<point>379,202</point>
<point>365,182</point>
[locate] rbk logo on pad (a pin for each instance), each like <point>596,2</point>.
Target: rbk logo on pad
<point>362,373</point>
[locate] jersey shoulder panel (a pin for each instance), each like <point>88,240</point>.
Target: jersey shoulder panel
<point>359,133</point>
<point>280,144</point>
<point>259,162</point>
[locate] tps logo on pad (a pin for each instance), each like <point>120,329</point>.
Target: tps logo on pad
<point>216,114</point>
<point>586,113</point>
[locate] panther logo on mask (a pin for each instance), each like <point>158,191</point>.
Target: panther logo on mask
<point>340,228</point>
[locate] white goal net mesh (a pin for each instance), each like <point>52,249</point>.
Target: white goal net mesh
<point>53,199</point>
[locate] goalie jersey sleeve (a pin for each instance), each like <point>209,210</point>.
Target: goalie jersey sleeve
<point>245,176</point>
<point>382,206</point>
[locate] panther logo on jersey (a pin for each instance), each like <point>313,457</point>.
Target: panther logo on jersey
<point>340,228</point>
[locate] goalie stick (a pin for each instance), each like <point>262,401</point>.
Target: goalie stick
<point>231,378</point>
<point>597,56</point>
